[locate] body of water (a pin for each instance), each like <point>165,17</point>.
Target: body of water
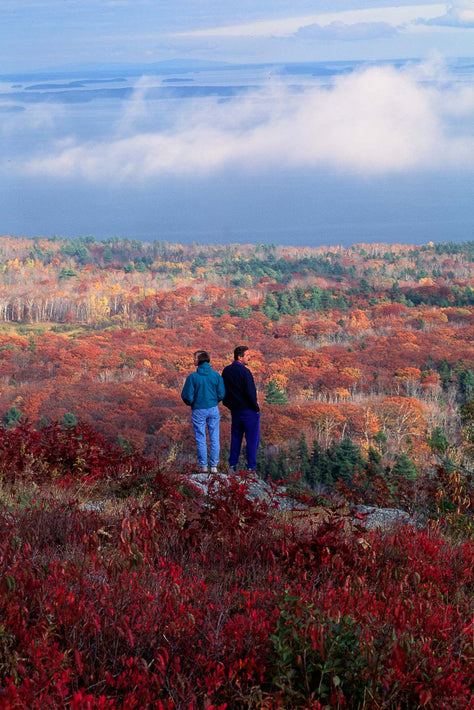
<point>57,113</point>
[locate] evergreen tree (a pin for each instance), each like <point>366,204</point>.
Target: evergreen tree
<point>405,468</point>
<point>320,467</point>
<point>445,372</point>
<point>375,457</point>
<point>467,419</point>
<point>429,365</point>
<point>372,471</point>
<point>275,395</point>
<point>263,459</point>
<point>108,255</point>
<point>315,299</point>
<point>277,468</point>
<point>346,460</point>
<point>381,439</point>
<point>285,308</point>
<point>270,307</point>
<point>69,419</point>
<point>271,469</point>
<point>12,416</point>
<point>466,384</point>
<point>303,458</point>
<point>438,441</point>
<point>293,302</point>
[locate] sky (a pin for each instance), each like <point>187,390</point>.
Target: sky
<point>385,153</point>
<point>43,33</point>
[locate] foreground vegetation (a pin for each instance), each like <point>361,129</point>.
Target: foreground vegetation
<point>122,587</point>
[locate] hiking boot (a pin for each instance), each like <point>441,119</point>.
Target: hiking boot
<point>213,469</point>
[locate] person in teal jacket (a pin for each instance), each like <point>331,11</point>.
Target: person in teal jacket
<point>202,391</point>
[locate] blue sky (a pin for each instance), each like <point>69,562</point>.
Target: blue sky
<point>44,33</point>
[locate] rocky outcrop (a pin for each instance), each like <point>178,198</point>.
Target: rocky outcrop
<point>381,518</point>
<point>257,489</point>
<point>279,498</point>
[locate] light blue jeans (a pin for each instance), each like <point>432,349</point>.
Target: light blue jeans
<point>210,418</point>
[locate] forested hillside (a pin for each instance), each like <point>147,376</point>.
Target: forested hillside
<point>125,586</point>
<point>368,348</point>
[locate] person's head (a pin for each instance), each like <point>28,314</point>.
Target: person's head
<point>201,356</point>
<point>242,354</point>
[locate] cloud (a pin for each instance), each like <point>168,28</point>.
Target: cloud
<point>287,25</point>
<point>20,128</point>
<point>460,13</point>
<point>136,108</point>
<point>348,32</point>
<point>377,121</point>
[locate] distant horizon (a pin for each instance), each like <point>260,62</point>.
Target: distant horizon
<point>192,64</point>
<point>332,121</point>
<point>223,244</point>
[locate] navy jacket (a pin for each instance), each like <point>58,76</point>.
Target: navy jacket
<point>240,390</point>
<point>204,388</point>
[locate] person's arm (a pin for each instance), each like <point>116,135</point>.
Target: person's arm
<point>220,388</point>
<point>187,394</point>
<point>225,399</point>
<point>251,391</point>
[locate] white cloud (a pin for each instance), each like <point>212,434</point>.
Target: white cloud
<point>342,31</point>
<point>376,121</point>
<point>287,26</point>
<point>38,116</point>
<point>460,13</point>
<point>136,108</point>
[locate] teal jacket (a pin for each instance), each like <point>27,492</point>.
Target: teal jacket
<point>204,388</point>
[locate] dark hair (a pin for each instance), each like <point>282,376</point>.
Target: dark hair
<point>239,351</point>
<point>202,356</point>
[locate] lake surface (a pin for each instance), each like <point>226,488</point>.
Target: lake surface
<point>51,113</point>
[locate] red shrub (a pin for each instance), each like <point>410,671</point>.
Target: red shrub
<point>213,601</point>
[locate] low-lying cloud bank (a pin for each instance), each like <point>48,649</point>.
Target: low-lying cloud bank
<point>460,13</point>
<point>377,121</point>
<point>347,32</point>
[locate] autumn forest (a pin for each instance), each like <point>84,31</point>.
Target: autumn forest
<point>372,344</point>
<point>125,586</point>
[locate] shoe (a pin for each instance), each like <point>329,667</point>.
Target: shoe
<point>233,469</point>
<point>213,469</point>
<point>203,469</point>
<point>250,470</point>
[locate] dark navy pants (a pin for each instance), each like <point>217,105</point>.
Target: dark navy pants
<point>244,421</point>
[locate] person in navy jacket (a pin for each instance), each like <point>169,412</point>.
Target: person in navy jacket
<point>241,399</point>
<point>202,391</point>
